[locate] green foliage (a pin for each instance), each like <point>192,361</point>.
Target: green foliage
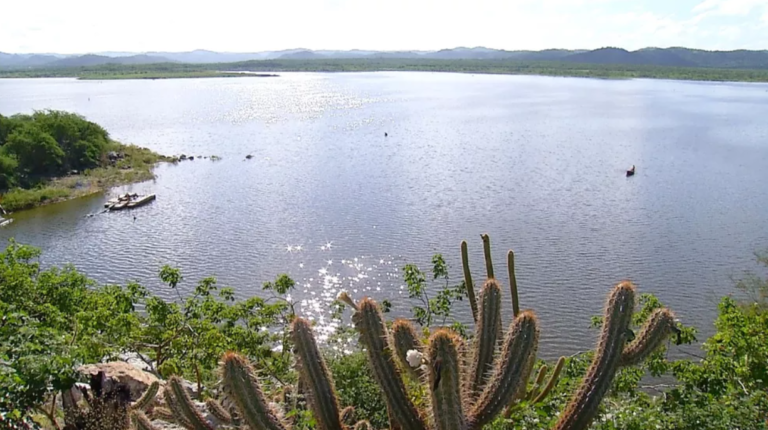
<point>8,166</point>
<point>55,320</point>
<point>37,152</point>
<point>82,141</point>
<point>18,198</point>
<point>438,308</point>
<point>357,387</point>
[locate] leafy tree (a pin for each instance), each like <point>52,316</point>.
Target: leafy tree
<point>82,141</point>
<point>37,152</point>
<point>439,306</point>
<point>8,166</point>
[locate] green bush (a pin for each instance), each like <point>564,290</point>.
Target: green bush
<point>18,198</point>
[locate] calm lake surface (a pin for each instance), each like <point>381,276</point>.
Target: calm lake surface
<point>536,162</point>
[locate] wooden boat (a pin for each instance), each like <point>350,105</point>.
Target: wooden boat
<point>119,205</point>
<point>631,171</point>
<point>141,201</point>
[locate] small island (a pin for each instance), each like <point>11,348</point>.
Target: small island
<point>52,156</point>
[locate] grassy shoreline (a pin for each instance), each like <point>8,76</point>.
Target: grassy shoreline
<point>263,68</point>
<point>137,165</point>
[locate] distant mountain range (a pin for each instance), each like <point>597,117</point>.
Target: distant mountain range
<point>675,57</point>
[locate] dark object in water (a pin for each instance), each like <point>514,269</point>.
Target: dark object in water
<point>631,171</point>
<point>385,134</point>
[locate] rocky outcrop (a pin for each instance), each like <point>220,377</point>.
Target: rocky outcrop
<point>134,378</point>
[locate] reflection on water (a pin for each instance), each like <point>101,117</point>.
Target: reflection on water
<point>536,162</point>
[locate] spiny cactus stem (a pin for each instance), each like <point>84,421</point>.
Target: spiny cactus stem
<point>512,370</point>
<point>242,387</point>
<point>373,335</point>
<point>487,334</point>
<point>185,407</point>
<point>552,381</point>
<point>513,282</point>
<point>445,381</point>
<point>468,279</point>
<point>582,408</point>
<point>218,411</point>
<point>147,398</point>
<point>405,339</point>
<point>363,425</point>
<point>322,397</point>
<point>348,415</point>
<point>487,252</point>
<point>654,331</point>
<point>142,422</point>
<point>537,383</point>
<point>163,414</point>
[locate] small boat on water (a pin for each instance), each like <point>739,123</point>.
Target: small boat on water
<point>5,221</point>
<point>129,201</point>
<point>631,171</point>
<point>141,201</point>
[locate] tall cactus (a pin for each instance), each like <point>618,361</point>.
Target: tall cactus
<point>487,334</point>
<point>241,387</point>
<point>312,369</point>
<point>374,335</point>
<point>461,398</point>
<point>468,279</point>
<point>612,353</point>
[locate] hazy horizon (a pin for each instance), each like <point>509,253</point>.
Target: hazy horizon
<point>89,26</point>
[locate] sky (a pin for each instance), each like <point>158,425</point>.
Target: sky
<point>84,26</point>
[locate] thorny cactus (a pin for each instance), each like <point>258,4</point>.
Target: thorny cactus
<point>466,393</point>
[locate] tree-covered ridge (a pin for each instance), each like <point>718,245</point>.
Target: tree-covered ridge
<point>50,156</point>
<point>48,143</point>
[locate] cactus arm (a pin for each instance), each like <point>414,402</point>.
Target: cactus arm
<point>373,335</point>
<point>537,383</point>
<point>512,370</point>
<point>405,339</point>
<point>163,414</point>
<point>348,415</point>
<point>321,394</point>
<point>141,421</point>
<point>242,387</point>
<point>487,252</point>
<point>583,407</point>
<point>445,381</point>
<point>218,411</point>
<point>147,398</point>
<point>656,329</point>
<point>552,381</point>
<point>184,408</point>
<point>487,334</point>
<point>468,279</point>
<point>513,282</point>
<point>363,425</point>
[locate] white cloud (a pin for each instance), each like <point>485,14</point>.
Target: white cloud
<point>79,26</point>
<point>729,7</point>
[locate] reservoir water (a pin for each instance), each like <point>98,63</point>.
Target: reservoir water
<point>536,162</point>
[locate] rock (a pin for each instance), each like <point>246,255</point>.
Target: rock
<point>191,158</point>
<point>136,379</point>
<point>182,157</point>
<point>248,157</point>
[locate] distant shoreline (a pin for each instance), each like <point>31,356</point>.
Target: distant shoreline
<point>269,68</point>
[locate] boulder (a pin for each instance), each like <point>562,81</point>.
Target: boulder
<point>136,379</point>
